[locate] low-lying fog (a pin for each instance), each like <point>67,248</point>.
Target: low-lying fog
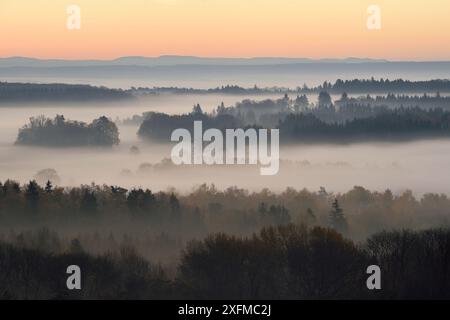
<point>420,166</point>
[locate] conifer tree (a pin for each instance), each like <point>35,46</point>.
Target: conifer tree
<point>48,187</point>
<point>337,218</point>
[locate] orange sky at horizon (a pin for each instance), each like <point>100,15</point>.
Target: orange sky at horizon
<point>410,30</point>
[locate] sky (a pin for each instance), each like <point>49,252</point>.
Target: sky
<point>410,29</point>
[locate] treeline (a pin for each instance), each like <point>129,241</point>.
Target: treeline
<point>325,123</point>
<point>269,112</point>
<point>389,125</point>
<point>424,101</point>
<point>227,89</point>
<point>58,92</point>
<point>59,132</point>
<point>34,274</point>
<point>284,262</point>
<point>159,126</point>
<point>355,86</point>
<point>356,213</point>
<point>385,85</point>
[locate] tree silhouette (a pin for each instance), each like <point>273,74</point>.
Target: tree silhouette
<point>59,132</point>
<point>32,195</point>
<point>88,201</point>
<point>48,187</point>
<point>324,99</point>
<point>337,218</point>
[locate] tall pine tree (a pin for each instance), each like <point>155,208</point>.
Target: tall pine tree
<point>337,218</point>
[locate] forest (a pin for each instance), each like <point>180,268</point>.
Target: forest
<point>37,93</point>
<point>356,213</point>
<point>229,244</point>
<point>59,132</point>
<point>284,262</point>
<point>354,86</point>
<point>11,92</point>
<point>299,122</point>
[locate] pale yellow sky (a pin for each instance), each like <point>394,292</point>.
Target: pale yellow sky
<point>410,29</point>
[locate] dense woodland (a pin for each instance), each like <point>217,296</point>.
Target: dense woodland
<point>299,121</point>
<point>356,213</point>
<point>58,92</point>
<point>278,257</point>
<point>355,86</point>
<point>393,125</point>
<point>285,262</point>
<point>59,132</point>
<point>424,101</point>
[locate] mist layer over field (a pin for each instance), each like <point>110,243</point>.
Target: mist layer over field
<point>420,166</point>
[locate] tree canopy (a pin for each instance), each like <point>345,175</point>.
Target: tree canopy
<point>59,132</point>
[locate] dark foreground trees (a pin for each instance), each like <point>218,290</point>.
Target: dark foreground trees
<point>283,262</point>
<point>59,132</point>
<point>415,264</point>
<point>32,274</point>
<point>255,245</point>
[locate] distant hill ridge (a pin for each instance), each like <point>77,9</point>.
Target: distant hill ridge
<point>169,60</point>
